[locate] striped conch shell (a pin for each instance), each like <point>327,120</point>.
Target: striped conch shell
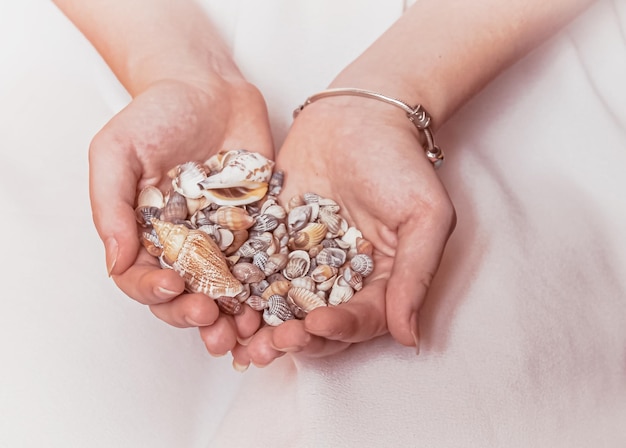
<point>197,259</point>
<point>238,177</point>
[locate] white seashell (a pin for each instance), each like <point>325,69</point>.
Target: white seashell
<point>278,306</point>
<point>341,292</point>
<point>276,182</point>
<point>305,282</point>
<point>332,257</point>
<point>275,210</point>
<point>311,198</point>
<point>351,235</point>
<point>354,279</point>
<point>326,285</point>
<point>363,264</point>
<point>334,223</point>
<point>260,259</point>
<point>145,214</point>
<point>256,302</point>
<point>298,264</point>
<point>299,217</point>
<point>226,238</point>
<point>265,223</point>
<point>188,176</point>
<point>275,263</point>
<point>197,259</point>
<point>323,272</point>
<point>295,201</point>
<point>150,196</point>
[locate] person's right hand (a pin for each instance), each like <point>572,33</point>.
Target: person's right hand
<point>169,123</point>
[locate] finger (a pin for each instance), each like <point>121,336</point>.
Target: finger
<point>221,337</point>
<point>247,323</point>
<point>241,358</point>
<point>292,337</point>
<point>417,258</point>
<point>147,283</point>
<point>260,348</point>
<point>187,310</point>
<point>361,319</point>
<point>112,186</point>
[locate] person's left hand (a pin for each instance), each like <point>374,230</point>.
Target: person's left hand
<point>364,155</point>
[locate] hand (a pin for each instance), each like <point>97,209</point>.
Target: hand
<point>365,155</point>
<point>171,122</point>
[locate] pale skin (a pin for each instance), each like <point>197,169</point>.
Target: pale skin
<point>439,54</point>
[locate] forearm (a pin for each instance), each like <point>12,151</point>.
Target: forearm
<point>144,41</point>
<point>440,53</point>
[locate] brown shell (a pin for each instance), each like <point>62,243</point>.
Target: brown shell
<point>231,217</point>
<point>305,299</point>
<point>277,288</point>
<point>175,209</point>
<point>229,305</point>
<point>197,259</point>
<point>247,273</point>
<point>310,236</point>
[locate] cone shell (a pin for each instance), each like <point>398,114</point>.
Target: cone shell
<point>197,259</point>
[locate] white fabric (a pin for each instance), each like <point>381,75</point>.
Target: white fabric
<point>524,332</point>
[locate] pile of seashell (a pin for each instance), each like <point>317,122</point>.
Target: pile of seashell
<point>223,230</point>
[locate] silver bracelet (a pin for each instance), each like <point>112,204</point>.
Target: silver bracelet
<point>418,116</point>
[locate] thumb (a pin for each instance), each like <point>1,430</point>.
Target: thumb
<point>112,189</point>
<point>418,254</point>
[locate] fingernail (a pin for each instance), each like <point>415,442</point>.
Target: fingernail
<point>164,294</point>
<point>192,322</point>
<point>110,249</point>
<point>244,341</point>
<point>240,367</point>
<point>415,332</point>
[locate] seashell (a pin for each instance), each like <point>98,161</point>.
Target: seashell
<point>332,257</point>
<point>295,201</point>
<point>351,235</point>
<point>197,259</point>
<point>255,245</point>
<point>271,319</point>
<point>199,218</point>
<point>229,305</point>
<point>213,230</point>
<point>330,242</point>
<point>275,210</point>
<point>364,246</point>
<point>196,204</point>
<point>265,223</point>
<point>311,198</point>
<point>239,237</point>
<point>275,263</point>
<point>297,265</point>
<point>233,218</point>
<point>298,217</point>
<point>150,241</point>
<point>186,179</point>
<point>305,299</point>
<point>244,294</point>
<point>305,282</point>
<point>279,307</point>
<point>311,235</point>
<point>363,264</point>
<point>341,292</point>
<point>315,250</point>
<point>277,288</point>
<point>150,196</point>
<point>242,177</point>
<point>145,213</point>
<point>354,279</point>
<point>274,246</point>
<point>276,277</point>
<point>327,202</point>
<point>326,285</point>
<point>258,288</point>
<point>323,272</point>
<point>257,303</point>
<point>335,224</point>
<point>260,260</point>
<point>276,182</point>
<point>247,273</point>
<point>175,209</point>
<point>226,239</point>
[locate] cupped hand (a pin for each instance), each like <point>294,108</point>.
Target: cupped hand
<point>171,122</point>
<point>366,156</point>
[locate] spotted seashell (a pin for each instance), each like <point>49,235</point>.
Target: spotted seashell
<point>341,292</point>
<point>354,279</point>
<point>229,305</point>
<point>260,260</point>
<point>276,262</point>
<point>239,237</point>
<point>276,288</point>
<point>150,241</point>
<point>150,196</point>
<point>233,218</point>
<point>197,259</point>
<point>305,282</point>
<point>304,299</point>
<point>299,217</point>
<point>364,246</point>
<point>297,265</point>
<point>186,179</point>
<point>175,210</point>
<point>332,257</point>
<point>247,273</point>
<point>256,302</point>
<point>265,223</point>
<point>145,213</point>
<point>323,272</point>
<point>335,224</point>
<point>363,264</point>
<point>311,235</point>
<point>276,182</point>
<point>258,288</point>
